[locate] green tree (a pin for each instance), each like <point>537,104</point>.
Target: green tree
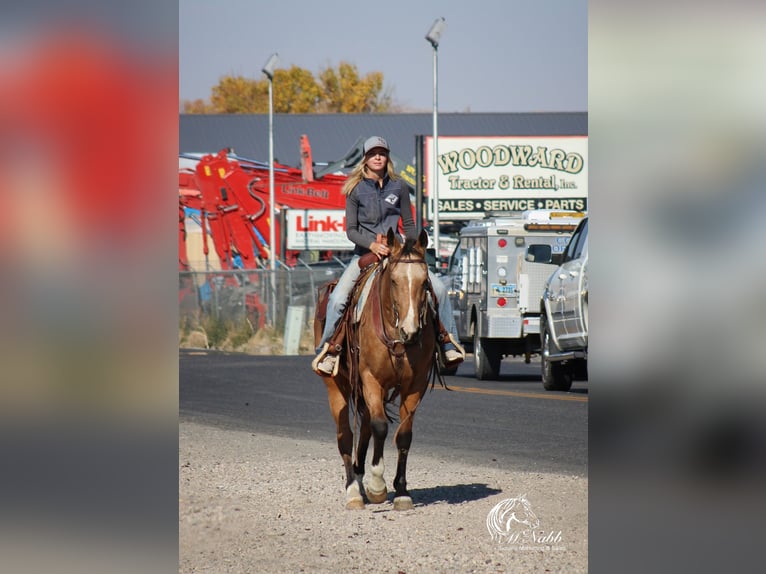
<point>297,91</point>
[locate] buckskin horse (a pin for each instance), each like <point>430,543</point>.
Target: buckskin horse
<point>390,353</point>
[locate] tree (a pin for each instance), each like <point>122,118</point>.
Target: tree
<point>238,95</point>
<point>345,92</point>
<point>297,91</point>
<point>197,107</point>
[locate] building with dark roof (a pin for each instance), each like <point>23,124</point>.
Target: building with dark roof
<point>332,136</point>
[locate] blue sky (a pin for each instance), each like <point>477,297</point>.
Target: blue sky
<point>494,56</point>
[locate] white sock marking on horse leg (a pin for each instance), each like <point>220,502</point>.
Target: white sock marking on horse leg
<point>377,484</point>
<point>353,492</point>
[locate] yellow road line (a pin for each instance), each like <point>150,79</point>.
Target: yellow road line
<point>518,394</point>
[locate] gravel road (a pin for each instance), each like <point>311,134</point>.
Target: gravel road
<point>255,503</point>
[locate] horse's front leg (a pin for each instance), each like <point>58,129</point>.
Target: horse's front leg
<point>376,486</point>
<point>402,499</point>
<point>345,437</point>
<point>363,443</point>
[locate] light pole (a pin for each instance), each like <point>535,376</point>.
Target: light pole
<point>268,69</point>
<point>437,28</point>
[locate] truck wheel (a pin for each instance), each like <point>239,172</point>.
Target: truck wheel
<point>556,376</point>
<point>485,358</point>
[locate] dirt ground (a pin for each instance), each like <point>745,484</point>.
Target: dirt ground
<point>259,503</point>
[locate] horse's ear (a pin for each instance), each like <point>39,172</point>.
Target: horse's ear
<point>391,237</point>
<point>423,239</point>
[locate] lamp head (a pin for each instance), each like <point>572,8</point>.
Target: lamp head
<point>270,65</point>
<point>436,31</point>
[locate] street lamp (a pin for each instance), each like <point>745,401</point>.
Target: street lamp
<point>437,28</point>
<point>268,69</point>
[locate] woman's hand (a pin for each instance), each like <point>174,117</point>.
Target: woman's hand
<point>381,250</point>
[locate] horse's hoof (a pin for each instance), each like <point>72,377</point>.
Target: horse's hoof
<point>377,497</point>
<point>355,504</point>
<point>403,503</point>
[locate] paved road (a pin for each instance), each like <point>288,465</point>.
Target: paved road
<point>510,424</point>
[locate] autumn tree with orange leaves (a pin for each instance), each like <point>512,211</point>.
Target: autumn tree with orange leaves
<point>297,91</point>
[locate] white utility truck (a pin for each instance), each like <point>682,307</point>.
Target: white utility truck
<point>496,277</point>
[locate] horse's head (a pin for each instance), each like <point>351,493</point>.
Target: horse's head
<point>408,274</point>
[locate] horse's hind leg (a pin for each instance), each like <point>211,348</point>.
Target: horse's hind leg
<point>402,499</point>
<point>345,437</point>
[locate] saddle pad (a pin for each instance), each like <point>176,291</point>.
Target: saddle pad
<point>364,294</point>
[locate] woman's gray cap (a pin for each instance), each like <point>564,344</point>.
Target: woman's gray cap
<point>375,141</point>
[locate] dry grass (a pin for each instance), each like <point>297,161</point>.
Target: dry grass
<point>242,339</point>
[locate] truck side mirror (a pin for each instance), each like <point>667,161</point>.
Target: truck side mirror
<point>431,259</point>
<point>557,258</point>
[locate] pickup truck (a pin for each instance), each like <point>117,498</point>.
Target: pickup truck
<point>495,279</point>
<point>564,316</point>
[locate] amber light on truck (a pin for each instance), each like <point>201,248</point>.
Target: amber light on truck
<point>549,227</point>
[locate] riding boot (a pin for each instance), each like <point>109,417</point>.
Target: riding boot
<point>326,362</point>
<point>451,351</point>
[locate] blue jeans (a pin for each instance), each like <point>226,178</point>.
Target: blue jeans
<point>338,298</point>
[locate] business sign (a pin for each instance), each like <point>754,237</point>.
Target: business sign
<point>323,229</point>
<point>481,174</point>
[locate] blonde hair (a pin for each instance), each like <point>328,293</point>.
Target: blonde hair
<point>360,172</point>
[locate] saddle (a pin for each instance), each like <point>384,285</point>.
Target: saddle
<point>369,266</point>
<point>323,292</point>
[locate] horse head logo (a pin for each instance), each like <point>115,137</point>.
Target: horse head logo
<point>510,517</point>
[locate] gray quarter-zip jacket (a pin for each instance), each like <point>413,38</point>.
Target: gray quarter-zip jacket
<point>371,210</point>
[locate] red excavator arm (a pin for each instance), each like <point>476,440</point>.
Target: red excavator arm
<point>234,197</point>
<point>230,196</point>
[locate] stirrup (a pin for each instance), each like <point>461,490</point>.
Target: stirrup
<point>323,354</point>
<point>459,350</point>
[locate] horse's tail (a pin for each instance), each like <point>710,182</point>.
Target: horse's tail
<point>390,408</point>
<point>358,405</point>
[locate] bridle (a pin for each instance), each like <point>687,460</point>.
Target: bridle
<point>390,342</point>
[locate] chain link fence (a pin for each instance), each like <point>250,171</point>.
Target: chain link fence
<point>230,307</point>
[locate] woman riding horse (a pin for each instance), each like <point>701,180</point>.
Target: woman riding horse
<point>376,201</point>
<point>391,352</point>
